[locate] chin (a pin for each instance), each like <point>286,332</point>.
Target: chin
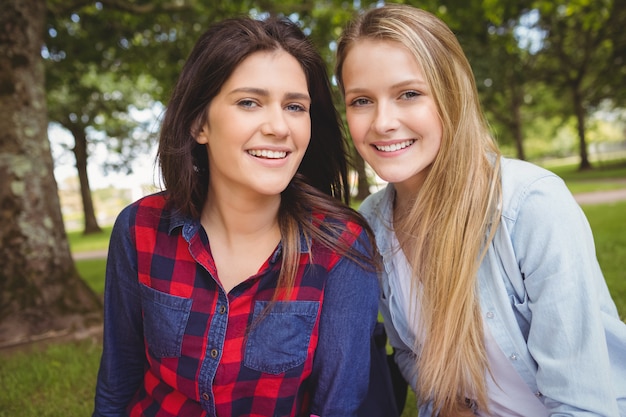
<point>393,178</point>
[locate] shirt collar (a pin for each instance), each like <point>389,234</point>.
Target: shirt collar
<point>191,226</point>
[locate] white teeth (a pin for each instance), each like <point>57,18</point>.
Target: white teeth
<point>395,146</point>
<point>268,154</point>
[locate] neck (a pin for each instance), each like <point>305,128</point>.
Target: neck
<point>404,198</point>
<point>243,231</point>
<point>407,191</point>
<point>233,215</point>
<point>403,203</point>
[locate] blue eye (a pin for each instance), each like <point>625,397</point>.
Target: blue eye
<point>408,95</point>
<point>296,107</point>
<point>359,102</point>
<point>247,103</point>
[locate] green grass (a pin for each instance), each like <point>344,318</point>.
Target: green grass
<point>84,243</point>
<point>608,223</point>
<point>604,177</point>
<point>58,379</point>
<point>92,272</point>
<point>49,381</point>
<point>607,170</point>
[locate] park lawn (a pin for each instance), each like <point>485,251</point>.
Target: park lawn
<point>92,272</point>
<point>53,379</point>
<point>50,380</point>
<point>609,175</point>
<point>608,224</point>
<point>80,242</point>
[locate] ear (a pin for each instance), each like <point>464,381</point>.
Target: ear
<point>202,135</point>
<point>200,129</point>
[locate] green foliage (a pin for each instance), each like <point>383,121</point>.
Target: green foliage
<point>578,56</point>
<point>106,58</point>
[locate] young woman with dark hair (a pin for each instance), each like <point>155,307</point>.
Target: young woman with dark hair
<point>247,287</point>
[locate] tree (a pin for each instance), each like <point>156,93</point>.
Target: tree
<point>93,82</point>
<point>501,66</point>
<point>40,289</point>
<point>579,56</point>
<point>488,31</point>
<point>95,108</point>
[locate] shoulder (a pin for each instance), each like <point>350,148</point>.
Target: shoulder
<point>144,212</point>
<point>339,238</point>
<point>524,182</point>
<point>154,201</point>
<point>346,230</point>
<point>517,173</point>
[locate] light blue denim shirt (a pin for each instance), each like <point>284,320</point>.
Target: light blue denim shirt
<point>542,296</point>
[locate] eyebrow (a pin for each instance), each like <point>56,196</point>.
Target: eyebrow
<point>266,93</point>
<point>414,81</point>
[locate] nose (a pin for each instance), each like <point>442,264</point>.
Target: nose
<point>385,119</point>
<point>275,123</point>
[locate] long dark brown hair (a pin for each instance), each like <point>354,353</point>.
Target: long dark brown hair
<point>321,182</point>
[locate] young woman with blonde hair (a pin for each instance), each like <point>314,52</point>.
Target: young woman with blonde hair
<point>491,293</point>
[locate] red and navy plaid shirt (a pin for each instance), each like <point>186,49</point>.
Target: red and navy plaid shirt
<point>202,352</point>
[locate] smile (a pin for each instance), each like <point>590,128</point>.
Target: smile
<point>268,154</point>
<point>396,146</point>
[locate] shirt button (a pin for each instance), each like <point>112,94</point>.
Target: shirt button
<point>513,356</point>
<point>222,309</point>
<point>490,315</point>
<point>205,396</point>
<point>214,353</point>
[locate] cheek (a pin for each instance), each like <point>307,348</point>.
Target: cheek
<point>304,134</point>
<point>358,133</point>
<point>355,126</point>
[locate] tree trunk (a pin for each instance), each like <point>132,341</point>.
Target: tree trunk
<point>579,110</point>
<point>41,292</point>
<point>80,153</point>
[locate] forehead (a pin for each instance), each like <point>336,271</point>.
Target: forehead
<point>376,60</point>
<point>271,67</point>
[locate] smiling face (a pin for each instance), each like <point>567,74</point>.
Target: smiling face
<point>391,114</point>
<point>258,126</point>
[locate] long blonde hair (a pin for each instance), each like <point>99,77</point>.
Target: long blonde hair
<point>453,219</point>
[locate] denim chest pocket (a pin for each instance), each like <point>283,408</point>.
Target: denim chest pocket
<point>279,338</point>
<point>165,317</point>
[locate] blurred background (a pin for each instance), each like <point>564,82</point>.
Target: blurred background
<point>83,85</point>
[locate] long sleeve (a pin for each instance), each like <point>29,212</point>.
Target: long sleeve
<point>341,367</point>
<point>403,355</point>
<point>123,358</point>
<point>570,307</point>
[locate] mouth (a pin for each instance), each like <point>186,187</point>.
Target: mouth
<point>395,146</point>
<point>267,154</point>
